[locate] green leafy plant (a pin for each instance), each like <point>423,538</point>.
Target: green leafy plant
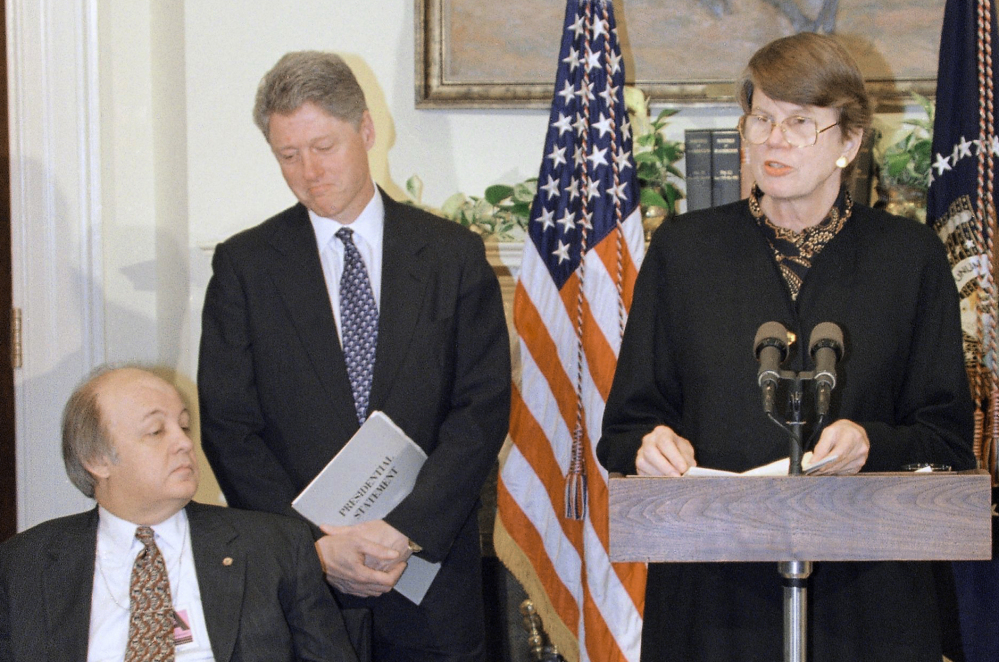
<point>655,155</point>
<point>907,161</point>
<point>502,211</point>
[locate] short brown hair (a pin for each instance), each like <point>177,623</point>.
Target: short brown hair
<point>304,76</point>
<point>810,69</point>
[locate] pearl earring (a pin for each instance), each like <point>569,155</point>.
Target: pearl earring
<point>841,162</point>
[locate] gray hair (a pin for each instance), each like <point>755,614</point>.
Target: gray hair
<point>304,76</point>
<point>85,436</point>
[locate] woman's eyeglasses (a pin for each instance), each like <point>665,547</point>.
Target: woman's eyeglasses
<point>798,131</point>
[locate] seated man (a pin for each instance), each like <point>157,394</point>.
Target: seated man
<point>148,574</point>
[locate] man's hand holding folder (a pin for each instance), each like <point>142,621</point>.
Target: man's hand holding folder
<point>363,559</point>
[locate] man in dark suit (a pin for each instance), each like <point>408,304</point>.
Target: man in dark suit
<point>344,304</point>
<point>148,574</point>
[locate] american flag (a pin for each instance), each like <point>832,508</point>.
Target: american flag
<point>961,207</point>
<point>961,200</point>
<point>575,286</point>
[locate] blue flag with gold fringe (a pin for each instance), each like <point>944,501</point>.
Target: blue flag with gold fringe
<point>961,208</point>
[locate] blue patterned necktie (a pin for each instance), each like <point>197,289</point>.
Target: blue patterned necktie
<point>358,323</point>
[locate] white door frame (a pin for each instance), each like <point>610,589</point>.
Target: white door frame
<point>56,244</point>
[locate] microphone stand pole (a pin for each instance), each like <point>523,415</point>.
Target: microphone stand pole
<point>796,442</point>
<point>795,573</point>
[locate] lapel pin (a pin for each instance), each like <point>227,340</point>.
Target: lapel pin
<point>227,561</point>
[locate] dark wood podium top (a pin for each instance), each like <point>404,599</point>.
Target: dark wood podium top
<point>866,517</point>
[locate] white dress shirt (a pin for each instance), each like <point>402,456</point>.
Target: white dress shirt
<point>117,548</point>
<point>368,229</point>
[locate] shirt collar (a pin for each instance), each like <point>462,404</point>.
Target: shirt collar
<point>369,224</point>
<point>119,534</point>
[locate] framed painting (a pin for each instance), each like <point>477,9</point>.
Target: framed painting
<point>482,54</point>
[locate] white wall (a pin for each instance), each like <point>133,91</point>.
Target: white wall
<point>234,179</point>
<point>166,161</point>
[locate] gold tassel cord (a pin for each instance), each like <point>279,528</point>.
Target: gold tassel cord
<point>575,482</point>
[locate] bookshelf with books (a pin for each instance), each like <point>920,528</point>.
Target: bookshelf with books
<point>714,166</point>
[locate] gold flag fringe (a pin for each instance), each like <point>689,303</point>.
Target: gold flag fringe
<point>986,449</point>
<point>979,432</point>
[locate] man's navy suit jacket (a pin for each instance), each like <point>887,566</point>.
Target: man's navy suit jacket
<point>276,402</point>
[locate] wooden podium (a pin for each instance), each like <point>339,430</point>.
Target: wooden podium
<point>795,520</point>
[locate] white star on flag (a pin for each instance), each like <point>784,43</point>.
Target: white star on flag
<point>572,59</point>
<point>592,189</point>
<point>562,252</point>
<point>564,122</point>
<point>964,148</point>
<point>573,190</point>
<point>546,219</point>
<point>568,93</point>
<point>942,163</point>
<point>599,29</point>
<point>608,94</point>
<point>566,222</point>
<point>551,188</point>
<point>557,156</point>
<point>593,60</point>
<point>605,125</point>
<point>620,191</point>
<point>614,59</point>
<point>622,160</point>
<point>598,157</point>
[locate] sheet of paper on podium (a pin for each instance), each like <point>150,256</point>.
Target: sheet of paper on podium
<point>369,477</point>
<point>776,468</point>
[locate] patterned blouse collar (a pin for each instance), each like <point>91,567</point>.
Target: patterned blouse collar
<point>793,251</point>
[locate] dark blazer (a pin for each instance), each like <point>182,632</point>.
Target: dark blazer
<point>276,401</point>
<point>269,604</point>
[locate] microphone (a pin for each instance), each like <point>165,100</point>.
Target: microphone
<point>770,348</point>
<point>826,348</point>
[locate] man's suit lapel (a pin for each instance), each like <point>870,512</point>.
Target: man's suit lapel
<point>404,281</point>
<point>298,276</point>
<point>68,585</point>
<point>220,565</point>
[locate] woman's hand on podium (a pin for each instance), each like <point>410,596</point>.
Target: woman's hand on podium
<point>847,440</point>
<point>664,453</point>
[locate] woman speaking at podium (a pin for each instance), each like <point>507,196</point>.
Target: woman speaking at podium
<point>799,252</point>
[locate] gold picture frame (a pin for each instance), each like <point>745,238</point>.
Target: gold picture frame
<point>484,54</point>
